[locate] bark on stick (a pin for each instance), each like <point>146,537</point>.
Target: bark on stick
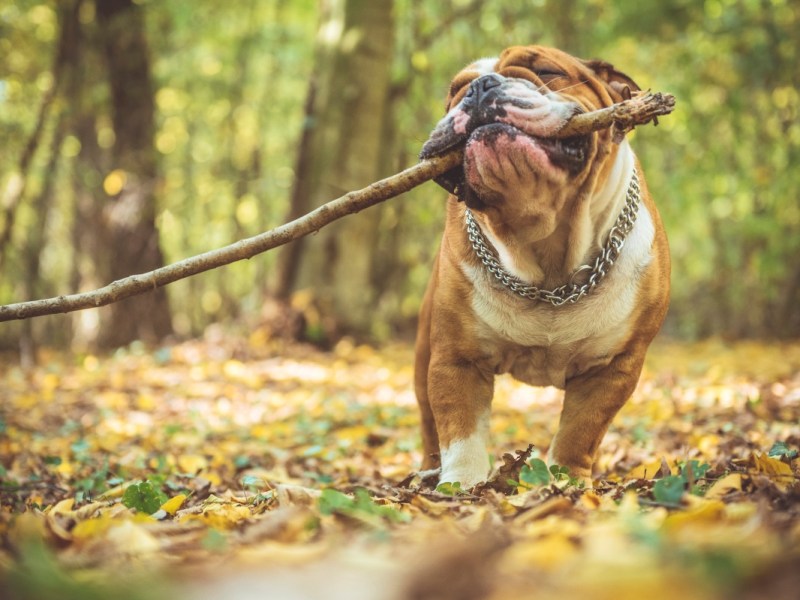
<point>622,116</point>
<point>314,221</point>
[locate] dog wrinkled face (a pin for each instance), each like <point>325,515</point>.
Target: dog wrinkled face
<point>506,112</point>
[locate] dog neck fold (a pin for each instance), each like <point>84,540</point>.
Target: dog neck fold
<point>585,278</point>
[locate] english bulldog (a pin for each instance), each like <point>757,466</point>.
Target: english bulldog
<point>553,266</point>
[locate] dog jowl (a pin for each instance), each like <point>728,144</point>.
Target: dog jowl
<point>553,267</point>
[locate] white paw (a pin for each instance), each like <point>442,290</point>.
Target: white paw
<point>428,473</point>
<point>465,461</point>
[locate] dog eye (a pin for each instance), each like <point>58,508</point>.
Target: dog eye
<point>549,73</point>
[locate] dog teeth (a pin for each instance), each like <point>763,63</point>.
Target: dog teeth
<point>568,149</point>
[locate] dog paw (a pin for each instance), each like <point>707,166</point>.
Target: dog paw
<point>429,473</point>
<point>467,479</point>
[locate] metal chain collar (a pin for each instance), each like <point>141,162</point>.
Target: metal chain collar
<point>570,292</point>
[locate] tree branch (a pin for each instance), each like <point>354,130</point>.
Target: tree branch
<point>315,220</point>
<point>622,116</point>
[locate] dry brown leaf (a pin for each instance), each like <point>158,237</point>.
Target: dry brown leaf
<point>265,452</point>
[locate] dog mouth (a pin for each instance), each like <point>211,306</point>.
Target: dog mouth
<point>565,154</point>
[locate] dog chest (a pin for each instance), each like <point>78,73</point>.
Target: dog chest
<point>542,344</point>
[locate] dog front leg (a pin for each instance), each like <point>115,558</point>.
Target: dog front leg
<point>591,401</point>
<point>460,396</point>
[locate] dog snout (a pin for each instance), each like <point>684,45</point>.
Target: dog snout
<point>481,89</point>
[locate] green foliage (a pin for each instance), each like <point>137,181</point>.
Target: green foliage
<point>95,482</point>
<point>450,488</point>
<point>781,450</point>
<point>144,497</point>
<point>252,482</point>
<point>536,474</point>
<point>696,469</point>
<point>361,506</point>
<point>559,473</point>
<point>39,576</point>
<point>669,490</point>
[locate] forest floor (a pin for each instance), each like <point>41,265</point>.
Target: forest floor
<point>238,467</point>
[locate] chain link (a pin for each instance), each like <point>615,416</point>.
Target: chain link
<point>570,292</point>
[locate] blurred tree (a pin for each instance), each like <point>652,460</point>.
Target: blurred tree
<point>230,80</point>
<point>64,77</point>
<point>131,241</point>
<point>341,151</point>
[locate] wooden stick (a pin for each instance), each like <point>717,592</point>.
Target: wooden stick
<point>314,221</point>
<point>622,116</point>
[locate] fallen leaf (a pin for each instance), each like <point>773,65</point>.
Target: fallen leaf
<point>700,511</point>
<point>725,485</point>
<point>777,471</point>
<point>192,463</point>
<point>506,477</point>
<point>172,505</point>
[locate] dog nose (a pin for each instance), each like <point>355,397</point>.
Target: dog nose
<point>480,90</point>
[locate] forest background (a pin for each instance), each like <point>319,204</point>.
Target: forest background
<point>137,133</point>
<point>226,459</point>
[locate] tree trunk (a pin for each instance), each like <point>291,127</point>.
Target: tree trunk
<point>342,151</point>
<point>35,243</point>
<point>130,235</point>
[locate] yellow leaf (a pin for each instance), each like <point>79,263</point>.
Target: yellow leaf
<point>146,402</point>
<point>648,471</point>
<point>729,483</point>
<point>700,511</point>
<point>92,527</point>
<point>36,499</point>
<point>707,443</point>
<point>172,505</point>
<point>58,526</point>
<point>778,472</point>
<point>546,553</point>
<point>192,463</point>
<point>771,466</point>
<point>353,433</point>
<point>590,500</point>
<point>62,507</point>
<point>65,468</point>
<point>219,516</point>
<point>430,507</point>
<point>212,477</point>
<point>115,492</point>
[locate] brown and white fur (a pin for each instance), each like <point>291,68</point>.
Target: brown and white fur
<point>546,210</point>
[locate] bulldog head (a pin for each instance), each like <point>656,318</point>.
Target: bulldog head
<point>505,111</point>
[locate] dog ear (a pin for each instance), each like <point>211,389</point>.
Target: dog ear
<point>619,83</point>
